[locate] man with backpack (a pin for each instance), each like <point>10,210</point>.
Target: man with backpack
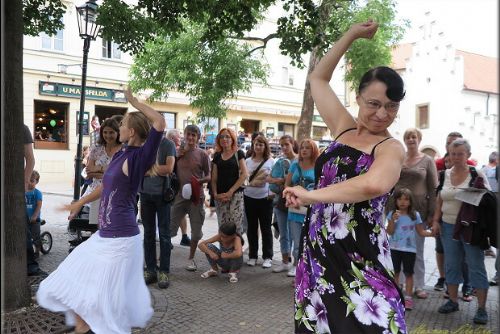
<point>154,206</point>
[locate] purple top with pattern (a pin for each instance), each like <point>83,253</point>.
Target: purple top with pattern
<point>117,217</point>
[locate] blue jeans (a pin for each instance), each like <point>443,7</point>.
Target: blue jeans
<point>153,206</point>
<point>285,241</point>
<point>454,253</point>
<point>295,231</point>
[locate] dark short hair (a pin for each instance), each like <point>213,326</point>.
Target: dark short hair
<point>228,228</point>
<point>393,81</point>
<point>455,134</point>
<point>194,129</point>
<point>295,145</point>
<point>493,157</point>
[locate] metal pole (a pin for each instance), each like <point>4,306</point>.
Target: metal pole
<point>78,158</point>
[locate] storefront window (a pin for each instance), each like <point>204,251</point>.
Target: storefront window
<point>285,129</point>
<point>51,125</point>
<point>320,133</point>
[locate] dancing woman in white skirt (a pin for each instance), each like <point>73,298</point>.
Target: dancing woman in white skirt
<point>100,285</point>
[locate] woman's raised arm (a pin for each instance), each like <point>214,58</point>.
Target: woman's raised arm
<point>157,120</point>
<point>333,112</point>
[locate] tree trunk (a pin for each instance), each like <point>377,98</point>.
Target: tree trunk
<point>306,114</point>
<point>16,291</point>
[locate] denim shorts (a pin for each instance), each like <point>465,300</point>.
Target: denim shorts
<point>455,251</point>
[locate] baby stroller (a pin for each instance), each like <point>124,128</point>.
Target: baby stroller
<point>81,228</point>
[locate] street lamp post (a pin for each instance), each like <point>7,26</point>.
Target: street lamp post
<point>88,29</point>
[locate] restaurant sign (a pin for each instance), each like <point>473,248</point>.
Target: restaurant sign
<point>91,93</point>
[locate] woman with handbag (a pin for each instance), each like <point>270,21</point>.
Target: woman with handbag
<point>301,173</point>
<point>258,206</point>
<point>447,210</point>
<point>229,163</point>
<point>276,181</point>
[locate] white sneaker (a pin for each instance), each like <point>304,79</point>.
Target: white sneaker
<point>268,263</point>
<point>251,262</point>
<point>282,267</point>
<point>291,272</point>
<point>191,266</point>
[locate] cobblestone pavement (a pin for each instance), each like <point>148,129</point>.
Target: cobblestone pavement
<point>262,301</point>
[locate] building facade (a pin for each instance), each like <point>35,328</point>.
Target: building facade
<point>52,80</point>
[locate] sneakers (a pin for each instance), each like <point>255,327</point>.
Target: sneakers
<point>448,307</point>
<point>291,272</point>
<point>163,281</point>
<point>185,241</point>
<point>408,304</point>
<point>282,267</point>
<point>494,281</point>
<point>440,284</point>
<point>481,316</point>
<point>233,277</point>
<point>252,262</point>
<point>268,263</point>
<point>150,277</point>
<point>191,266</point>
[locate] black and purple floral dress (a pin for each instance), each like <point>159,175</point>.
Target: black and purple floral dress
<point>344,279</point>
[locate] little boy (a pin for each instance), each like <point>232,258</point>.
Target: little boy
<point>33,208</point>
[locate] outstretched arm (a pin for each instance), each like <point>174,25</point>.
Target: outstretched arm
<point>380,178</point>
<point>154,117</point>
<point>333,112</point>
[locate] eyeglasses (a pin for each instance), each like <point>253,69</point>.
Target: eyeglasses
<point>391,107</point>
<point>224,136</point>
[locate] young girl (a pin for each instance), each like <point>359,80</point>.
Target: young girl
<point>100,285</point>
<point>401,226</point>
<point>230,254</point>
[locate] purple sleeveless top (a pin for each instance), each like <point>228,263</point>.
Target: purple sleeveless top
<point>117,217</point>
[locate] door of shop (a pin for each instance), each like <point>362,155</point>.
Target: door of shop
<point>250,126</point>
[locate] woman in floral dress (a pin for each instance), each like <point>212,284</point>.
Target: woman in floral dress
<point>344,279</point>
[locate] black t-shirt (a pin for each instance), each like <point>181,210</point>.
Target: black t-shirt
<point>227,171</point>
<point>28,138</point>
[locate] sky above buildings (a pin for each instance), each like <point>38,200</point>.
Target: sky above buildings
<point>470,25</point>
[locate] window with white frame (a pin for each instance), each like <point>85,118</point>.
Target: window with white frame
<point>110,50</point>
<point>53,42</point>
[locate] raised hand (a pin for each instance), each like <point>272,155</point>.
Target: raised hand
<point>364,30</point>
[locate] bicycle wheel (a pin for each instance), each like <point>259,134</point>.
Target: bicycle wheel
<point>46,239</point>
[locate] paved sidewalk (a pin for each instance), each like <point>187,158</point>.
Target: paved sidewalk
<point>262,301</point>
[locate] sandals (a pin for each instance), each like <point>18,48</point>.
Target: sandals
<point>233,277</point>
<point>421,294</point>
<point>209,273</point>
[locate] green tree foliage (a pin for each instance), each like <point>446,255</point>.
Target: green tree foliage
<point>208,73</point>
<point>133,26</point>
<point>42,16</point>
<point>365,54</point>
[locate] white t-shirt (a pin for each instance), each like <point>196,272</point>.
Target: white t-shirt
<point>258,192</point>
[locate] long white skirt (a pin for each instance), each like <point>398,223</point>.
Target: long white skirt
<point>102,281</point>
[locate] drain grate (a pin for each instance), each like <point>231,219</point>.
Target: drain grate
<point>33,320</point>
